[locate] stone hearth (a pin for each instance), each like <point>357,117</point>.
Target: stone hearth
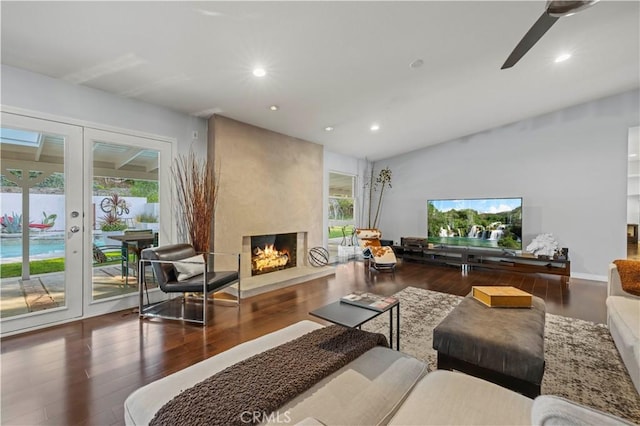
<point>259,284</point>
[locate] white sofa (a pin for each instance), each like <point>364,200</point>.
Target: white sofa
<point>623,320</point>
<point>382,386</point>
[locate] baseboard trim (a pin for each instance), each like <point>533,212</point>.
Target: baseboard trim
<point>590,277</point>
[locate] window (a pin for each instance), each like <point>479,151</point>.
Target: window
<point>342,211</point>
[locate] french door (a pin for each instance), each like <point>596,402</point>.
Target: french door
<point>42,211</point>
<point>128,195</point>
<point>58,184</point>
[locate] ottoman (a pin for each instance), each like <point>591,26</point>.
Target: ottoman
<point>502,345</point>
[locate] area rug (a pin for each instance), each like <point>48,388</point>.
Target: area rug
<point>582,363</point>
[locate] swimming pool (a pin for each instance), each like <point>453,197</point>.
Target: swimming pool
<point>12,247</point>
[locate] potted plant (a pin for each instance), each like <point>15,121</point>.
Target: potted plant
<point>147,221</point>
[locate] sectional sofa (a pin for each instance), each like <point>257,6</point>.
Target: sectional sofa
<point>382,386</point>
<point>623,320</point>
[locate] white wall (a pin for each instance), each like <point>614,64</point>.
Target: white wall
<point>339,163</point>
<point>569,166</point>
<point>633,172</point>
<point>54,204</point>
<point>36,92</point>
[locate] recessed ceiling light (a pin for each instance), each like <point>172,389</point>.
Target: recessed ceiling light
<point>417,63</point>
<point>274,107</point>
<point>328,129</point>
<point>375,127</point>
<point>563,57</point>
<point>259,72</point>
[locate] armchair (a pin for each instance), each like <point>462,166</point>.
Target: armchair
<point>381,257</point>
<point>180,270</point>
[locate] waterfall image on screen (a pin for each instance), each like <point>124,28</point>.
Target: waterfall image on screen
<point>480,222</point>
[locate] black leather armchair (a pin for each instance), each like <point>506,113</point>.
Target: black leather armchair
<point>179,271</point>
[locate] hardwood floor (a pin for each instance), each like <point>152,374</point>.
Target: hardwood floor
<point>81,372</point>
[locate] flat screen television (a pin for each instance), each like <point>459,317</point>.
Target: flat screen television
<point>476,222</point>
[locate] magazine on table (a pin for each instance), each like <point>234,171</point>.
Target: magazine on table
<point>369,301</point>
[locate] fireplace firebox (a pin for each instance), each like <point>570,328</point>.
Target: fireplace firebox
<point>273,252</point>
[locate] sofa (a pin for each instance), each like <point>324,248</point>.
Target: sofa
<point>623,320</point>
<point>382,386</point>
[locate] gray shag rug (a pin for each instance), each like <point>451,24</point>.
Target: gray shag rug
<point>582,362</point>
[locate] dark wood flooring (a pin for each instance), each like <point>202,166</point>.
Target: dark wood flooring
<point>81,372</point>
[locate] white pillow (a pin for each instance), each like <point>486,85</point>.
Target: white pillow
<point>191,269</point>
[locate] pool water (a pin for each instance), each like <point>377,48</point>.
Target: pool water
<point>12,247</point>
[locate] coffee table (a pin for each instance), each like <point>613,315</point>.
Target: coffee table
<point>353,316</point>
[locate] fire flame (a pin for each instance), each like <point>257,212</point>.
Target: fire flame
<point>268,258</point>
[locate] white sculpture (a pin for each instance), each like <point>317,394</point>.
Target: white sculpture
<point>543,244</point>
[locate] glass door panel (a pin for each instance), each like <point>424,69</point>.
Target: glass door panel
<point>40,222</point>
<point>126,213</point>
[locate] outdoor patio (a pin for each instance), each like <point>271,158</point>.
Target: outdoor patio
<point>46,291</point>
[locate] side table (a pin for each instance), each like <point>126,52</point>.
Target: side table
<point>352,316</point>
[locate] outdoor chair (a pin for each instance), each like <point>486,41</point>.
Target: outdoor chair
<point>381,257</point>
<point>135,247</point>
<point>109,253</point>
<point>180,272</point>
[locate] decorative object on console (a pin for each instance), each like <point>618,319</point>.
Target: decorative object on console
<point>543,245</point>
<point>197,190</point>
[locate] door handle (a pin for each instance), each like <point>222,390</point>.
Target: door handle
<point>74,229</point>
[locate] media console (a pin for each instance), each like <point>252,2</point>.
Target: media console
<point>417,249</point>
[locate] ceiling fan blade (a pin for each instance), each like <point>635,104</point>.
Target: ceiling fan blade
<point>532,36</point>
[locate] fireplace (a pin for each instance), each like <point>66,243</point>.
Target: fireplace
<point>275,252</point>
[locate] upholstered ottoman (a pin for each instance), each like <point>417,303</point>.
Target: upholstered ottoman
<point>502,345</point>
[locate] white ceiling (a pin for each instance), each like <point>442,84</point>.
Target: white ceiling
<point>340,64</point>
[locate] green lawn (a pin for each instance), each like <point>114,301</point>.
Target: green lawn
<point>10,270</point>
<point>336,231</point>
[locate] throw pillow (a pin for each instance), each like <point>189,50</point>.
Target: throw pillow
<point>189,267</point>
<point>629,271</point>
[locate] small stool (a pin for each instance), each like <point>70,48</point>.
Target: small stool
<point>501,345</point>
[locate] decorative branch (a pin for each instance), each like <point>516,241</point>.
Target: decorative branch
<point>197,189</point>
<point>383,180</point>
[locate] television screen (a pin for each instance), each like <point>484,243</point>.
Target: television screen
<point>478,222</point>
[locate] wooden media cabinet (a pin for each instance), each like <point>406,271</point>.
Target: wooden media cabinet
<point>418,250</point>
